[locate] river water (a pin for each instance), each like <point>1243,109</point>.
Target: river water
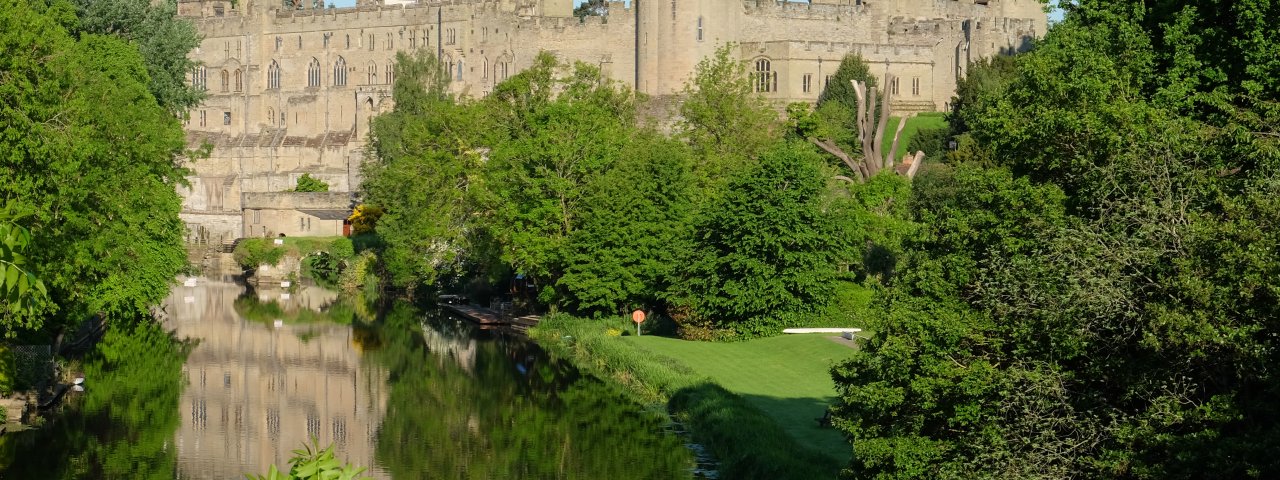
<point>238,378</point>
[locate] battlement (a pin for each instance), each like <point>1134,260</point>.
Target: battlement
<point>275,19</point>
<point>845,10</point>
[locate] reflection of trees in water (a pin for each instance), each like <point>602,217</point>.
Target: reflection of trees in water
<point>515,413</point>
<point>123,425</point>
<point>305,305</point>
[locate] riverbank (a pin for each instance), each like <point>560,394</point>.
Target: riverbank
<point>748,442</point>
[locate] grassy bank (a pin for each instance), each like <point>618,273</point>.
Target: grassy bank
<point>786,377</point>
<point>749,443</point>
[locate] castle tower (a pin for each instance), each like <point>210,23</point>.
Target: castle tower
<point>673,35</point>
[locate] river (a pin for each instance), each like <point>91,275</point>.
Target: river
<point>234,379</point>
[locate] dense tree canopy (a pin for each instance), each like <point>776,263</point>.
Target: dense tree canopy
<point>86,148</point>
<point>552,178</point>
<point>634,229</point>
<point>160,35</point>
<point>1093,297</point>
<point>555,131</point>
<point>762,250</point>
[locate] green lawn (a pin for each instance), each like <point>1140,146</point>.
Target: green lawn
<point>914,124</point>
<point>787,377</point>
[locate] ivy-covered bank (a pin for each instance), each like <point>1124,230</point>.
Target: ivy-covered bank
<point>748,444</point>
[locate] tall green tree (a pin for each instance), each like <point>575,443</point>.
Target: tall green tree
<point>634,229</point>
<point>721,116</point>
<point>161,36</point>
<point>763,250</point>
<point>87,149</point>
<point>422,156</point>
<point>555,130</point>
<point>840,88</point>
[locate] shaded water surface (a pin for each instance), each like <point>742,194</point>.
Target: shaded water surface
<point>247,376</point>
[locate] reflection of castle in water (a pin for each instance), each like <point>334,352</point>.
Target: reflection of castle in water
<point>257,392</point>
<point>448,338</point>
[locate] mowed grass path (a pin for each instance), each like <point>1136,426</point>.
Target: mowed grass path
<point>787,377</point>
<point>914,124</point>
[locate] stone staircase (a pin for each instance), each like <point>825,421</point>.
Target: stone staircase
<point>213,257</point>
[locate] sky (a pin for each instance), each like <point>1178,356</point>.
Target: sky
<point>1055,16</point>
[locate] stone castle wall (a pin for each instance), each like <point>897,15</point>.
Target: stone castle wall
<point>292,91</point>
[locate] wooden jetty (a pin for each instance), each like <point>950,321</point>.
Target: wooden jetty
<point>488,318</point>
<point>480,315</point>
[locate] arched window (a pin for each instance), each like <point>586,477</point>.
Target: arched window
<point>200,78</point>
<point>373,74</point>
<point>271,115</point>
<point>226,82</point>
<point>340,72</point>
<point>348,41</point>
<point>766,80</point>
<point>239,80</point>
<point>502,68</point>
<point>273,75</point>
<point>390,74</point>
<point>313,73</point>
<point>459,77</point>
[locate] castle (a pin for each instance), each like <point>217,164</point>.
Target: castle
<point>291,91</point>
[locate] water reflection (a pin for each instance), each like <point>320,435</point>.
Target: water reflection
<point>475,404</point>
<point>122,426</point>
<point>246,376</point>
<point>257,390</point>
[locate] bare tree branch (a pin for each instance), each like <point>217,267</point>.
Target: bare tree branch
<point>915,164</point>
<point>893,151</point>
<point>830,147</point>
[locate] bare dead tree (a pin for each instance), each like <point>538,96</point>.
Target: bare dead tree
<point>871,139</point>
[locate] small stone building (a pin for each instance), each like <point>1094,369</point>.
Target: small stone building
<point>296,214</point>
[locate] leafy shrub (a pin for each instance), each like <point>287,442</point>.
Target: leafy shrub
<point>313,463</point>
<point>307,183</point>
<point>359,273</point>
<point>323,267</point>
<point>932,141</point>
<point>326,266</point>
<point>253,252</point>
<point>365,219</point>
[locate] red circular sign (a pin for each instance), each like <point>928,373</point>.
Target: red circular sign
<point>637,316</point>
